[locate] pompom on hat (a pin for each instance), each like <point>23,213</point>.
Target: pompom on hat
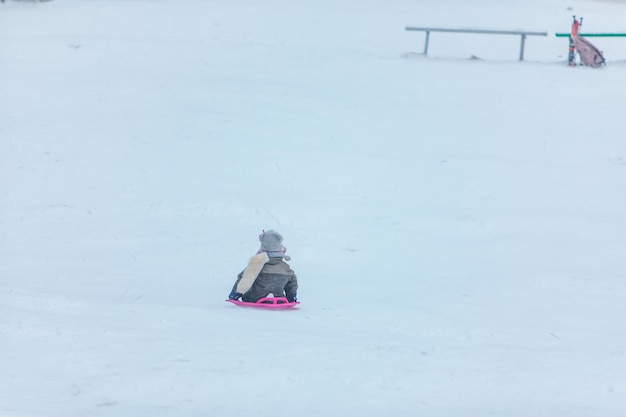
<point>272,244</point>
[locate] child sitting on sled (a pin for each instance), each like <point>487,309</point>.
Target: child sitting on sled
<point>266,273</point>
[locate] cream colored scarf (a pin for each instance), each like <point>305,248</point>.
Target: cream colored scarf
<point>252,272</point>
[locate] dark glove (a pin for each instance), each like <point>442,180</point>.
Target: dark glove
<point>234,295</point>
<point>292,298</point>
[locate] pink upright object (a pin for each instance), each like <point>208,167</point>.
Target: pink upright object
<point>272,303</point>
<point>589,54</point>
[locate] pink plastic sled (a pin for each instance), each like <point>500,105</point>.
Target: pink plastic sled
<point>275,303</point>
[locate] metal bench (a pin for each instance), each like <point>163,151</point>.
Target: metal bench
<point>522,33</point>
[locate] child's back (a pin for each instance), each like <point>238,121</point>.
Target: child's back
<point>267,273</point>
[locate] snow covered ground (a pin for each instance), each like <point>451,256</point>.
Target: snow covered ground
<point>457,226</point>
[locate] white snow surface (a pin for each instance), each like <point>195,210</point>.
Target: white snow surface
<point>457,225</point>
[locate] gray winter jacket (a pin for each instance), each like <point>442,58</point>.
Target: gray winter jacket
<point>276,277</point>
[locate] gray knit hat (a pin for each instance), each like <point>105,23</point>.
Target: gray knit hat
<point>272,243</point>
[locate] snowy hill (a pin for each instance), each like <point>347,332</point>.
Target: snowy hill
<point>457,226</point>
